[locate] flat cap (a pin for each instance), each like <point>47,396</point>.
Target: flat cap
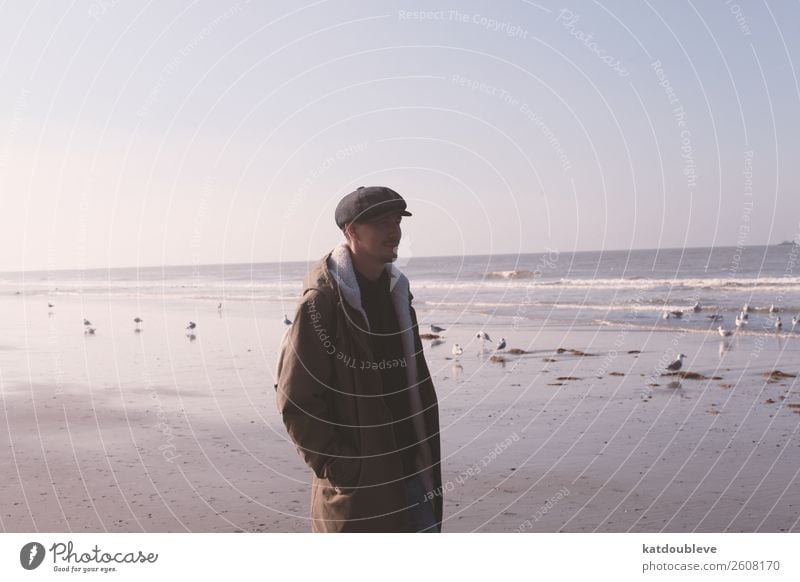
<point>367,203</point>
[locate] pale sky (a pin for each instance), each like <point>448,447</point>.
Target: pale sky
<point>136,133</point>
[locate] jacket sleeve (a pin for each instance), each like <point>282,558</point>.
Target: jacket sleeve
<point>304,373</point>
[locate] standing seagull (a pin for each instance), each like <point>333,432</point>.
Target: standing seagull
<point>457,350</point>
<point>697,307</point>
<point>778,324</point>
<point>482,335</point>
<point>502,343</point>
<point>437,329</point>
<point>137,320</point>
<point>86,322</point>
<point>773,309</point>
<point>191,325</point>
<point>219,307</point>
<point>724,332</point>
<point>741,321</point>
<point>794,322</point>
<point>676,365</point>
<point>286,320</point>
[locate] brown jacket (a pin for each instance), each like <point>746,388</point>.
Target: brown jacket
<point>328,393</point>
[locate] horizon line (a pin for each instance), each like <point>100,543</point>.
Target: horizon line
<point>237,264</point>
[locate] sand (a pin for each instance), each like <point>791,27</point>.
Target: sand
<point>158,432</point>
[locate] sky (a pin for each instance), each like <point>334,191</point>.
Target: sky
<point>164,133</point>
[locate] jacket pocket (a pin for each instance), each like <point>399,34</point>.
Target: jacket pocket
<point>344,473</point>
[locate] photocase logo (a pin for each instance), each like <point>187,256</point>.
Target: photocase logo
<point>31,555</point>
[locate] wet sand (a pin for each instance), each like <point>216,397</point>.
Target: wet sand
<point>157,432</point>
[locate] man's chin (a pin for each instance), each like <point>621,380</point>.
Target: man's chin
<point>390,255</point>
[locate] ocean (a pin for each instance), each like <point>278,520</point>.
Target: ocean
<point>631,288</point>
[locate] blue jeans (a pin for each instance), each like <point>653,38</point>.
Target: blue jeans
<point>420,512</point>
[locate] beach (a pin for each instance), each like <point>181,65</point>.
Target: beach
<point>159,431</point>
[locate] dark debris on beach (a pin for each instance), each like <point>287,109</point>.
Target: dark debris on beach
<point>573,352</point>
<point>692,375</point>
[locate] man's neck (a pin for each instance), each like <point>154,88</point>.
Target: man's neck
<point>366,265</point>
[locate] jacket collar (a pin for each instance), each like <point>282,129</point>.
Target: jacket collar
<point>340,266</point>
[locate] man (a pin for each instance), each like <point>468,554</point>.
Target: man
<point>353,386</point>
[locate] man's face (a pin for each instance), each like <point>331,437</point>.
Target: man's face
<point>378,237</point>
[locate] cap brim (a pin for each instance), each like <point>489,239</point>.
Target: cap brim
<point>378,215</point>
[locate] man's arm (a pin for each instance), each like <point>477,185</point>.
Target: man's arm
<point>305,373</point>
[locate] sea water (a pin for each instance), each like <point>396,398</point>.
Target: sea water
<point>633,287</point>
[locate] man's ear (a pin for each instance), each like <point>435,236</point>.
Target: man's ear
<point>351,231</point>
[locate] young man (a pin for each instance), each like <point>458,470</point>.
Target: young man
<point>353,386</point>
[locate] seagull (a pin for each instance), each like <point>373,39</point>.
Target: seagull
<point>457,350</point>
<point>191,325</point>
<point>219,307</point>
<point>137,320</point>
<point>50,305</point>
<point>482,335</point>
<point>746,308</point>
<point>744,315</point>
<point>778,324</point>
<point>89,331</point>
<point>697,307</point>
<point>86,322</point>
<point>794,322</point>
<point>677,314</point>
<point>740,321</point>
<point>502,343</point>
<point>286,320</point>
<point>437,329</point>
<point>724,332</point>
<point>665,315</point>
<point>676,365</point>
<point>773,309</point>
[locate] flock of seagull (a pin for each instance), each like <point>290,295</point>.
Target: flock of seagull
<point>457,350</point>
<point>88,329</point>
<point>741,321</point>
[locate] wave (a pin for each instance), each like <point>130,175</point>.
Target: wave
<point>644,283</point>
<point>712,283</point>
<point>100,286</point>
<point>640,308</point>
<point>513,274</point>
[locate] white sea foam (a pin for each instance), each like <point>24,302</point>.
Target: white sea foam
<point>740,284</point>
